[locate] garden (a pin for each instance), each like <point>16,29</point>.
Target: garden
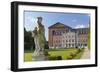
<point>57,54</point>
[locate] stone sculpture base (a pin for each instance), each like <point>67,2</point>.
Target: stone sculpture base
<point>40,57</point>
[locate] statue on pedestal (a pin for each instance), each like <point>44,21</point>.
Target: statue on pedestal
<point>40,40</point>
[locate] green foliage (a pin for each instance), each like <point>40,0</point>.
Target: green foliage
<point>89,38</point>
<point>28,40</point>
<point>46,45</point>
<point>64,53</point>
<point>58,54</point>
<point>54,58</point>
<point>46,53</point>
<point>78,55</point>
<point>69,57</point>
<point>27,57</point>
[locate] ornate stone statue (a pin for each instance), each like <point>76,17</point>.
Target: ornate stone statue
<point>39,39</point>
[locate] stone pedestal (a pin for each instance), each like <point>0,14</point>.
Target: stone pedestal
<point>39,57</point>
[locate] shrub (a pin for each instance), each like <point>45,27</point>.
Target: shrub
<point>59,58</point>
<point>46,53</point>
<point>79,50</point>
<point>69,57</point>
<point>54,57</point>
<point>72,55</point>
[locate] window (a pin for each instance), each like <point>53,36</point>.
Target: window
<point>73,40</point>
<point>69,45</point>
<point>53,32</point>
<point>72,45</point>
<point>78,44</point>
<point>59,32</point>
<point>85,44</point>
<point>63,41</point>
<point>66,45</point>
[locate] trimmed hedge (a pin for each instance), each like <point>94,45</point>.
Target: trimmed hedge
<point>54,58</point>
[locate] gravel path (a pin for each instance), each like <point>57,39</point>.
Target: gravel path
<point>86,54</point>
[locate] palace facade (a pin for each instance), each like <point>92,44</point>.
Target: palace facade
<point>63,36</point>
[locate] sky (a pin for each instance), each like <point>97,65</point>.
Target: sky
<point>74,20</point>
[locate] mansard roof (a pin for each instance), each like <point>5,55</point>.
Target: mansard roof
<point>81,28</point>
<point>78,29</point>
<point>59,25</point>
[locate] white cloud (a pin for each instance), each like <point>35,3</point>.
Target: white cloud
<point>80,26</point>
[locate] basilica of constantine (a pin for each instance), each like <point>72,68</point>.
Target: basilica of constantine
<point>63,36</point>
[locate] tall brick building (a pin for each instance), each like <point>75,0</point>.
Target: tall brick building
<point>63,36</point>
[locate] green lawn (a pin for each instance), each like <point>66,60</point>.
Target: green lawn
<point>78,56</point>
<point>64,53</point>
<point>28,56</point>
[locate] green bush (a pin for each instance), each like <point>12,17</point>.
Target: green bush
<point>69,57</point>
<point>46,53</point>
<point>54,57</point>
<point>72,54</point>
<point>59,58</point>
<point>78,51</point>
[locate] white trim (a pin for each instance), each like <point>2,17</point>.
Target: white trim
<point>22,64</point>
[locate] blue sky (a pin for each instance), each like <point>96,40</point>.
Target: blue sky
<point>74,20</point>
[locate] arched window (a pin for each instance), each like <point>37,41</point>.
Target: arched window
<point>72,40</point>
<point>66,45</point>
<point>53,32</point>
<point>69,45</point>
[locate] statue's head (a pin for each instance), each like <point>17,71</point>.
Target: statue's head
<point>39,21</point>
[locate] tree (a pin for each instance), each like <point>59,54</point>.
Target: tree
<point>89,36</point>
<point>28,40</point>
<point>46,45</point>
